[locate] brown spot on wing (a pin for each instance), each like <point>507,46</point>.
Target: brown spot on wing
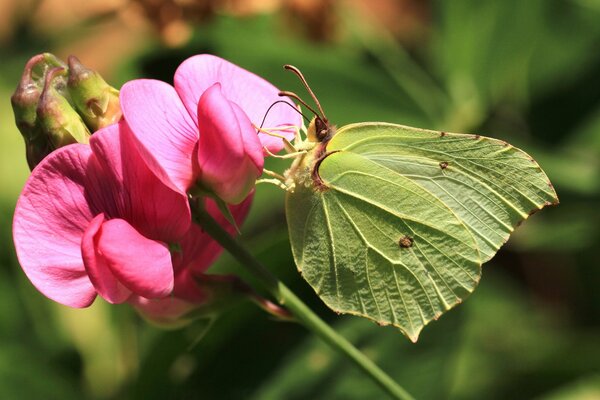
<point>405,242</point>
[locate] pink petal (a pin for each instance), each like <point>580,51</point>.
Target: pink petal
<point>164,132</point>
<point>171,311</point>
<point>187,288</point>
<point>49,221</point>
<point>225,132</point>
<point>98,271</point>
<point>133,192</point>
<point>252,93</point>
<point>168,312</point>
<point>252,145</point>
<point>142,265</point>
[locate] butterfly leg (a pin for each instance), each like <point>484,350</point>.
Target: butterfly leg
<point>273,181</point>
<point>289,147</point>
<point>274,174</point>
<point>289,155</point>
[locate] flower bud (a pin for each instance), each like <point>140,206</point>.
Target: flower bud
<point>56,104</point>
<point>25,102</point>
<point>58,122</point>
<point>95,100</point>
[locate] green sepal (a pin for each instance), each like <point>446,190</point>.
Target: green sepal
<point>58,122</point>
<point>224,208</point>
<point>198,191</point>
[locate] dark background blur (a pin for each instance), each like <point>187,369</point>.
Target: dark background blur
<point>524,71</point>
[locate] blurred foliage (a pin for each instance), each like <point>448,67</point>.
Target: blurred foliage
<point>524,71</point>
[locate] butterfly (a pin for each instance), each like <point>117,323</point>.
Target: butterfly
<point>393,223</point>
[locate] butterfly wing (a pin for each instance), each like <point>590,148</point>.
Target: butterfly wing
<point>490,185</point>
<point>407,218</point>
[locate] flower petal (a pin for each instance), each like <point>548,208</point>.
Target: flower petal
<point>142,265</point>
<point>155,210</point>
<point>104,281</point>
<point>169,312</point>
<point>252,145</point>
<point>50,218</point>
<point>164,132</point>
<point>252,93</point>
<point>225,135</point>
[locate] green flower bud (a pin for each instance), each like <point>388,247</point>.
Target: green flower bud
<point>56,104</point>
<point>95,100</point>
<point>25,102</point>
<point>58,122</point>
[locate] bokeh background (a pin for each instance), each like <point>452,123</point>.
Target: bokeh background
<point>524,71</point>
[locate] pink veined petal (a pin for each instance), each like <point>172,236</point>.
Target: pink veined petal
<point>49,221</point>
<point>225,132</point>
<point>187,288</point>
<point>140,264</point>
<point>155,210</point>
<point>252,93</point>
<point>104,281</point>
<point>198,251</point>
<point>164,132</point>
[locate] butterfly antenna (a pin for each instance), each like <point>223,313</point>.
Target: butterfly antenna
<point>295,96</point>
<point>305,83</point>
<point>285,102</point>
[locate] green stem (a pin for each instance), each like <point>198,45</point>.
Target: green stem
<point>300,310</point>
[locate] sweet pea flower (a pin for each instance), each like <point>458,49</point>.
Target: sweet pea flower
<point>95,220</point>
<point>201,131</point>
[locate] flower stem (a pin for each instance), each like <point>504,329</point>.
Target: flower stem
<point>300,310</point>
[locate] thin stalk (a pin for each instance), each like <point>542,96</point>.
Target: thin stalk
<point>297,307</point>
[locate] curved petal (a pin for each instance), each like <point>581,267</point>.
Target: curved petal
<point>164,132</point>
<point>142,265</point>
<point>50,218</point>
<point>187,288</point>
<point>169,312</point>
<point>252,144</point>
<point>134,193</point>
<point>249,91</point>
<point>98,271</point>
<point>225,135</point>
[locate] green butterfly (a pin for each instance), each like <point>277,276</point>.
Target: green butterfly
<point>393,223</point>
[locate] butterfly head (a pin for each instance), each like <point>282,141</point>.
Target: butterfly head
<point>319,129</point>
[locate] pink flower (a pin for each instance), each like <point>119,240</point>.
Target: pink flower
<point>95,220</point>
<point>201,130</point>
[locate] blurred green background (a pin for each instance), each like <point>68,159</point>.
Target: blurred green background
<point>524,71</point>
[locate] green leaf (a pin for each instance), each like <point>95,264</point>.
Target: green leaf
<point>395,222</point>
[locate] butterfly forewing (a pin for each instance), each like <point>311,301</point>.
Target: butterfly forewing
<point>490,185</point>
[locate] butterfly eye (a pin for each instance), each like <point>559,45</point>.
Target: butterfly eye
<point>322,128</point>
